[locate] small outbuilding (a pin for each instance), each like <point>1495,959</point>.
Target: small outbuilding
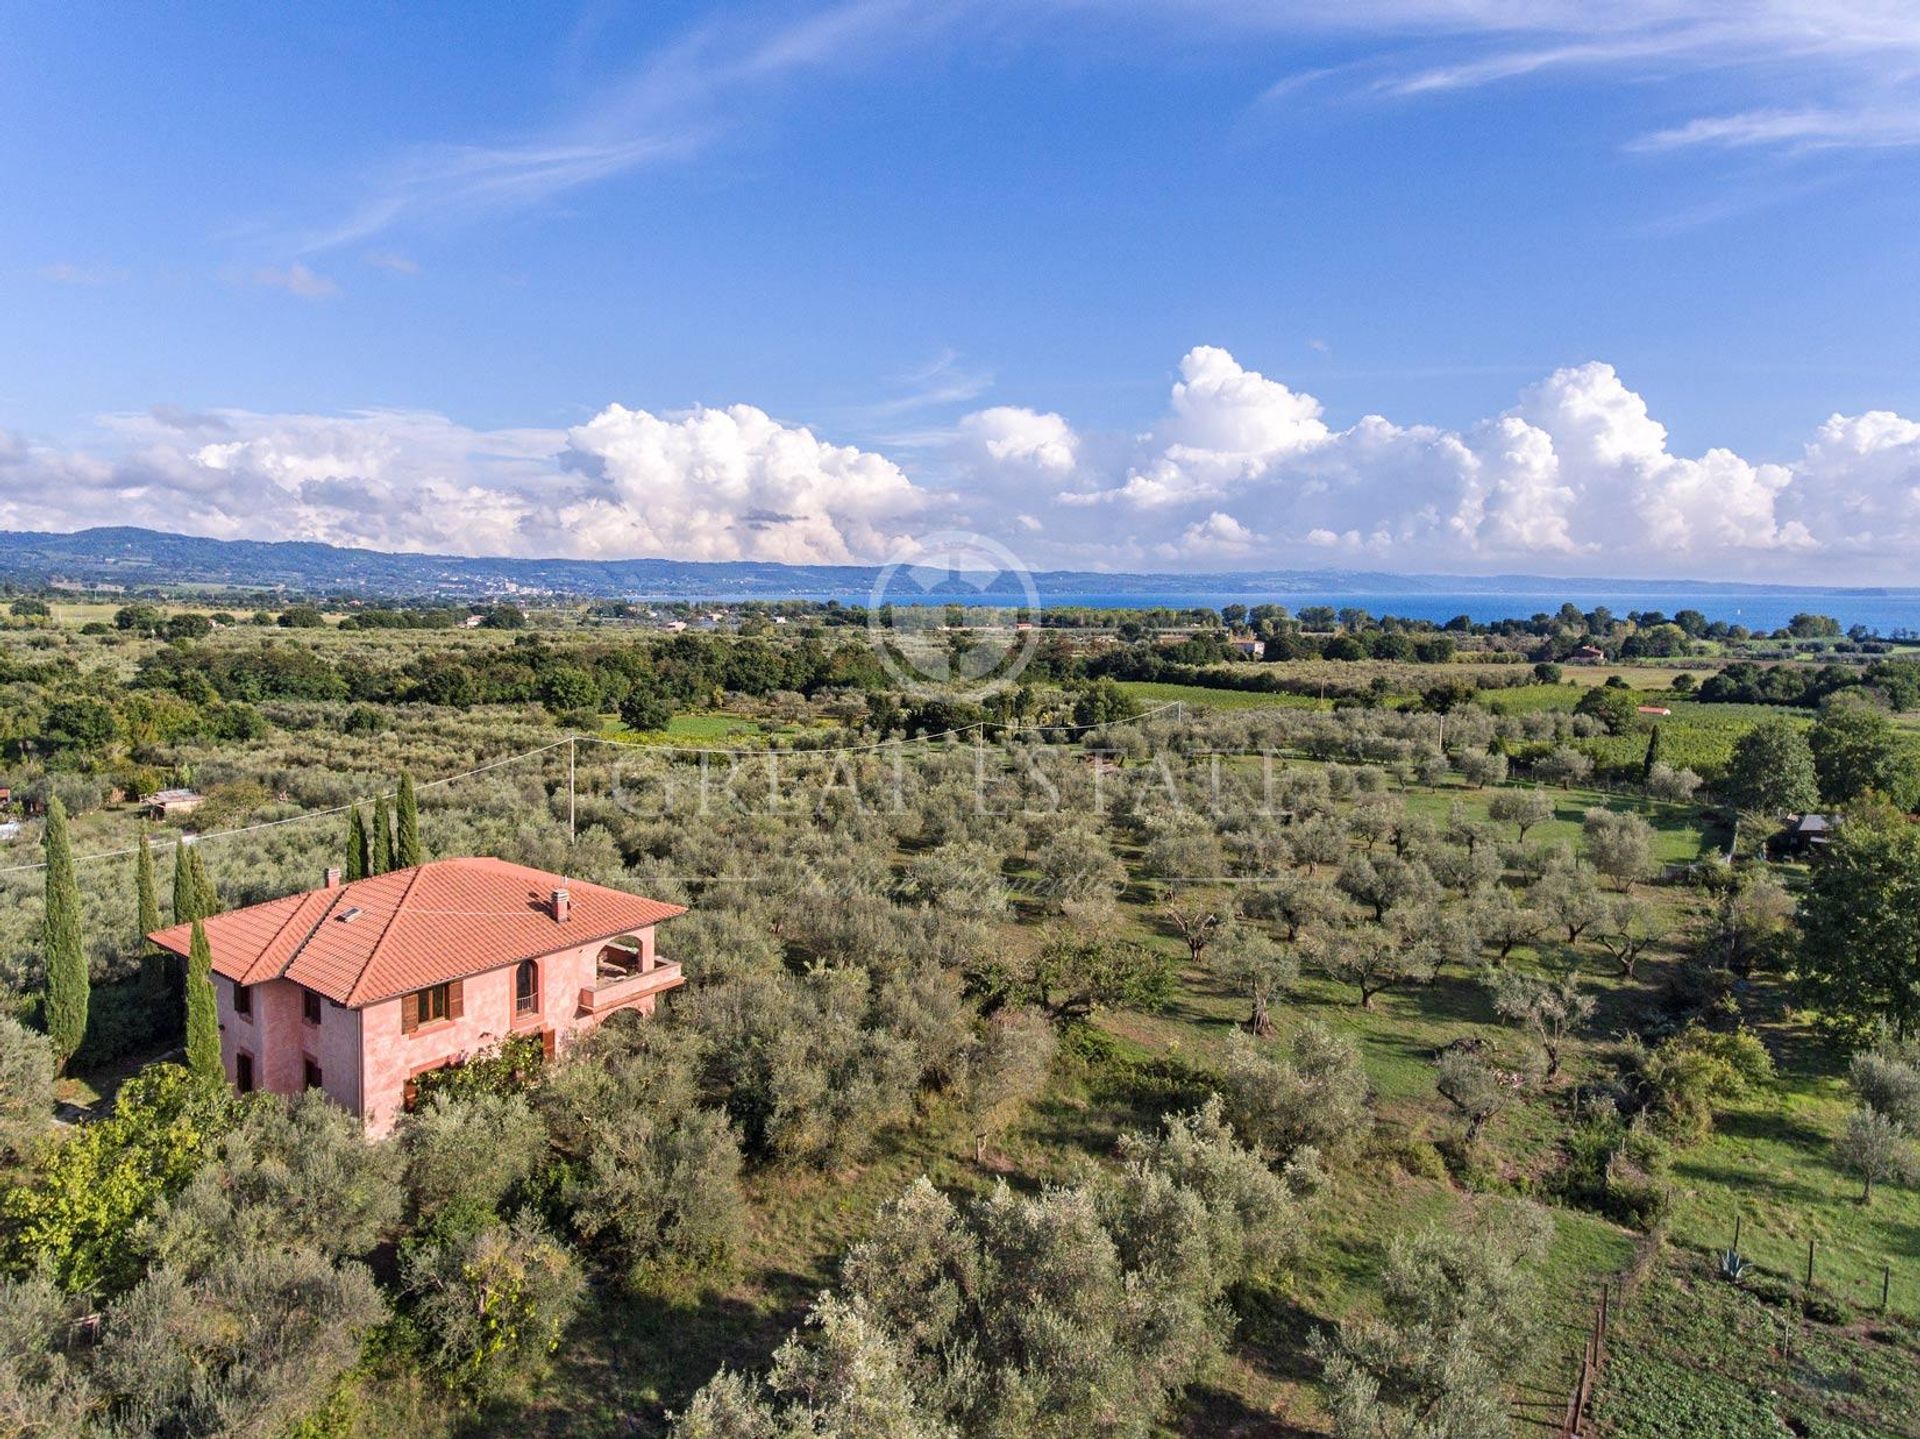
<point>1805,835</point>
<point>173,803</point>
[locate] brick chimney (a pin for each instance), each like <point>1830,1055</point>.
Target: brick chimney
<point>333,879</point>
<point>562,906</point>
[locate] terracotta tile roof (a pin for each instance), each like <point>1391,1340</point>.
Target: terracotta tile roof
<point>413,928</point>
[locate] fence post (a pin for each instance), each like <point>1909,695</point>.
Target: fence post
<point>1886,1284</point>
<point>1809,1264</point>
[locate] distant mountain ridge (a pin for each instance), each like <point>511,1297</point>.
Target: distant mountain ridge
<point>140,558</point>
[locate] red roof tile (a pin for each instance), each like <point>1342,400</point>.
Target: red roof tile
<point>414,928</point>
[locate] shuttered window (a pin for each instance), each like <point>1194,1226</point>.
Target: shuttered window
<point>431,1006</point>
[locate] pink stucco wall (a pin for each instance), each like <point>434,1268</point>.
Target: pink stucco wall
<point>389,1056</point>
<point>366,1058</point>
<point>280,1041</point>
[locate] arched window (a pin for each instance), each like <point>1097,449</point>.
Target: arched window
<point>526,988</point>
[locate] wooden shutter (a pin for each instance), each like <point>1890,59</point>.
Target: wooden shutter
<point>409,1012</point>
<point>546,1043</point>
<point>454,1006</point>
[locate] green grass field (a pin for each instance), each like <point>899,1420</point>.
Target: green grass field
<point>1153,692</point>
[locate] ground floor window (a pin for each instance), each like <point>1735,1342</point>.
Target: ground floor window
<point>243,1073</point>
<point>313,1075</point>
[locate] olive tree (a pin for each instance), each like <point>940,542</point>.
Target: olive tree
<point>1619,844</point>
<point>293,1174</point>
<point>250,1345</point>
<point>1257,968</point>
<point>1310,1094</point>
<point>1626,930</point>
<point>26,1089</point>
<point>465,1155</point>
<point>43,1382</point>
<point>1568,895</point>
<point>1368,958</point>
<point>839,1376</point>
<point>1460,1309</point>
<point>1875,1147</point>
<point>1887,1079</point>
<point>1004,1067</point>
<point>1549,1009</point>
<point>1521,808</point>
<point>1474,1087</point>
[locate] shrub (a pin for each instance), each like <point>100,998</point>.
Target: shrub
<point>26,1089</point>
<point>79,1212</point>
<point>1690,1074</point>
<point>493,1304</point>
<point>512,1066</point>
<point>292,1174</point>
<point>250,1347</point>
<point>466,1155</point>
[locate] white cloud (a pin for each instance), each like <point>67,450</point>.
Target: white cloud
<point>1576,477</point>
<point>1242,471</point>
<point>297,279</point>
<point>726,484</point>
<point>1011,435</point>
<point>65,272</point>
<point>717,484</point>
<point>676,102</point>
<point>1826,73</point>
<point>1217,538</point>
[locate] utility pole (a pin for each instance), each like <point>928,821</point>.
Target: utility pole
<point>570,749</point>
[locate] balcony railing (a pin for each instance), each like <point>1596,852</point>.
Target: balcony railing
<point>618,985</point>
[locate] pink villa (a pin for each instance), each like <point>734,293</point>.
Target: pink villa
<point>357,989</point>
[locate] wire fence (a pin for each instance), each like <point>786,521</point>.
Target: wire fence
<point>1822,1273</point>
<point>1592,1319</point>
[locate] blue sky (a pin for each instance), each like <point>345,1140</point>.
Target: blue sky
<point>804,281</point>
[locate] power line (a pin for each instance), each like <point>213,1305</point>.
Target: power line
<point>568,743</point>
<point>309,816</point>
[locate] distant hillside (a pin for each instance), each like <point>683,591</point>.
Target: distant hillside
<point>139,559</point>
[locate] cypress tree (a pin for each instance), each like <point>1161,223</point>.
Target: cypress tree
<point>382,838</point>
<point>203,1015</point>
<point>66,960</point>
<point>358,859</point>
<point>183,892</point>
<point>1653,753</point>
<point>153,971</point>
<point>406,841</point>
<point>206,899</point>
